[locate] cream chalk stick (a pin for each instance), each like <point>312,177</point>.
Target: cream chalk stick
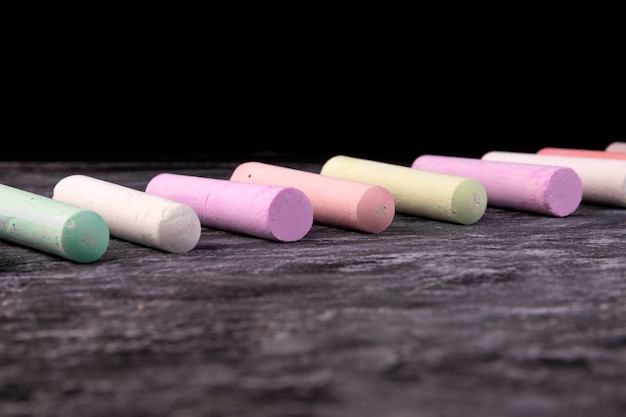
<point>272,212</point>
<point>52,226</point>
<point>548,190</point>
<point>336,202</point>
<point>416,192</point>
<point>584,153</point>
<point>604,180</point>
<point>616,147</point>
<point>134,215</point>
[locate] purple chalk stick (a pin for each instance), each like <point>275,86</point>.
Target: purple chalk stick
<point>544,189</point>
<point>271,212</point>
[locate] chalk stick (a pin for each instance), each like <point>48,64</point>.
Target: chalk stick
<point>134,215</point>
<point>416,192</point>
<point>604,180</point>
<point>616,147</point>
<point>52,226</point>
<point>336,202</point>
<point>584,153</point>
<point>272,212</point>
<point>547,190</point>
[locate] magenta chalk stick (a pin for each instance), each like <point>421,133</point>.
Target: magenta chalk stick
<point>604,180</point>
<point>273,212</point>
<point>544,189</point>
<point>336,202</point>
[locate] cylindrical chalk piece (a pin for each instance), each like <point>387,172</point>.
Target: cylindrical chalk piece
<point>336,202</point>
<point>583,153</point>
<point>420,193</point>
<point>616,147</point>
<point>604,180</point>
<point>52,226</point>
<point>134,215</point>
<point>548,190</point>
<point>273,212</point>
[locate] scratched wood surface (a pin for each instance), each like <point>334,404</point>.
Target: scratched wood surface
<point>515,315</point>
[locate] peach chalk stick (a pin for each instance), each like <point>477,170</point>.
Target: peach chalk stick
<point>134,215</point>
<point>273,212</point>
<point>604,180</point>
<point>548,190</point>
<point>583,153</point>
<point>416,192</point>
<point>336,202</point>
<point>616,147</point>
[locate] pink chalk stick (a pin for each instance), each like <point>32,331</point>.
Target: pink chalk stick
<point>336,202</point>
<point>582,153</point>
<point>271,212</point>
<point>544,189</point>
<point>616,147</point>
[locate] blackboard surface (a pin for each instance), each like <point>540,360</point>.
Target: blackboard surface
<point>515,315</point>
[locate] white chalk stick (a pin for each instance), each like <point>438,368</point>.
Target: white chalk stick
<point>134,215</point>
<point>617,147</point>
<point>603,180</point>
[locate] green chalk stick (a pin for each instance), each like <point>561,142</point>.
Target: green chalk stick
<point>52,226</point>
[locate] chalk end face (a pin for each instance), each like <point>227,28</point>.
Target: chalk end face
<point>376,210</point>
<point>469,202</point>
<point>85,237</point>
<point>179,229</point>
<point>564,192</point>
<point>290,215</point>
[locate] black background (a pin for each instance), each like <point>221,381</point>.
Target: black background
<point>290,93</point>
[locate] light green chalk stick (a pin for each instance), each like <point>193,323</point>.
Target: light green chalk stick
<point>52,226</point>
<point>416,192</point>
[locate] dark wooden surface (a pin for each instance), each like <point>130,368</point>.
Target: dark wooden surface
<point>515,315</point>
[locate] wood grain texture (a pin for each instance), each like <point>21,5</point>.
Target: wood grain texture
<point>517,314</point>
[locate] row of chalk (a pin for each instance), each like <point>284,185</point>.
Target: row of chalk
<point>280,203</point>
